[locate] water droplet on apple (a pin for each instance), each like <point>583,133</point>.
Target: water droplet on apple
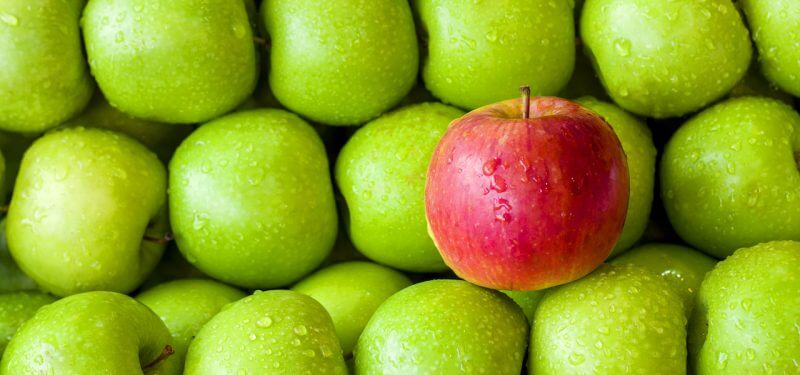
<point>9,19</point>
<point>622,46</point>
<point>300,330</point>
<point>576,358</point>
<point>264,322</point>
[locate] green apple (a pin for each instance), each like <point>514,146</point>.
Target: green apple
<point>15,309</point>
<point>12,279</point>
<point>480,53</point>
<point>444,327</point>
<point>746,319</point>
<point>729,176</point>
<point>637,142</point>
<point>620,319</point>
<point>340,62</point>
<point>159,137</point>
<point>251,200</point>
<point>43,75</point>
<point>185,306</point>
<point>527,300</point>
<point>89,333</point>
<point>87,210</point>
<point>754,84</point>
<point>175,61</point>
<point>381,174</point>
<point>776,31</point>
<point>274,332</point>
<point>665,59</point>
<point>682,266</point>
<point>351,292</point>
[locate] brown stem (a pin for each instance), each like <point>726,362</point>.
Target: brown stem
<point>160,241</point>
<point>260,41</point>
<point>526,101</point>
<point>161,357</point>
<point>3,210</point>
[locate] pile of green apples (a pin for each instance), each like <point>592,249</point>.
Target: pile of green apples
<point>239,187</point>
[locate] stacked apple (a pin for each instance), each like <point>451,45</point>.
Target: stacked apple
<point>174,207</point>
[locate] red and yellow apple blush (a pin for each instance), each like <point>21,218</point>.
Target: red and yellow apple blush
<point>524,197</point>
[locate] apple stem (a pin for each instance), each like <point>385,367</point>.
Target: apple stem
<point>260,41</point>
<point>161,357</point>
<point>3,210</point>
<point>526,101</point>
<point>160,241</point>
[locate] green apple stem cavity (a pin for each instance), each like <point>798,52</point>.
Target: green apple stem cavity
<point>168,351</point>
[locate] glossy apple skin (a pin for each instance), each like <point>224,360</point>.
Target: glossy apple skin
<point>520,204</point>
<point>16,308</point>
<point>747,318</point>
<point>729,176</point>
<point>775,25</point>
<point>88,333</point>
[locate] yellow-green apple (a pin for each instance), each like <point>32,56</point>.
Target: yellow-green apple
<point>89,333</point>
<point>272,332</point>
<point>747,318</point>
<point>621,319</point>
<point>88,212</point>
<point>729,176</point>
<point>444,327</point>
<point>665,58</point>
<point>524,195</point>
<point>43,75</point>
<point>251,201</point>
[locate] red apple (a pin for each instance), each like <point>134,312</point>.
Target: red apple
<point>527,196</point>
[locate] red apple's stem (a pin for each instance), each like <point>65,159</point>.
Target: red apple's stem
<point>526,101</point>
<point>160,241</point>
<point>161,357</point>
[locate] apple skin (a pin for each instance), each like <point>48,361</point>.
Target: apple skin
<point>273,332</point>
<point>84,201</point>
<point>682,266</point>
<point>480,53</point>
<point>87,333</point>
<point>444,327</point>
<point>665,59</point>
<point>171,60</point>
<point>729,177</point>
<point>621,319</point>
<point>775,25</point>
<point>351,292</point>
<point>16,308</point>
<point>246,187</point>
<point>185,306</point>
<point>381,174</point>
<point>525,204</point>
<point>637,143</point>
<point>746,319</point>
<point>44,79</point>
<point>365,57</point>
<point>159,137</point>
